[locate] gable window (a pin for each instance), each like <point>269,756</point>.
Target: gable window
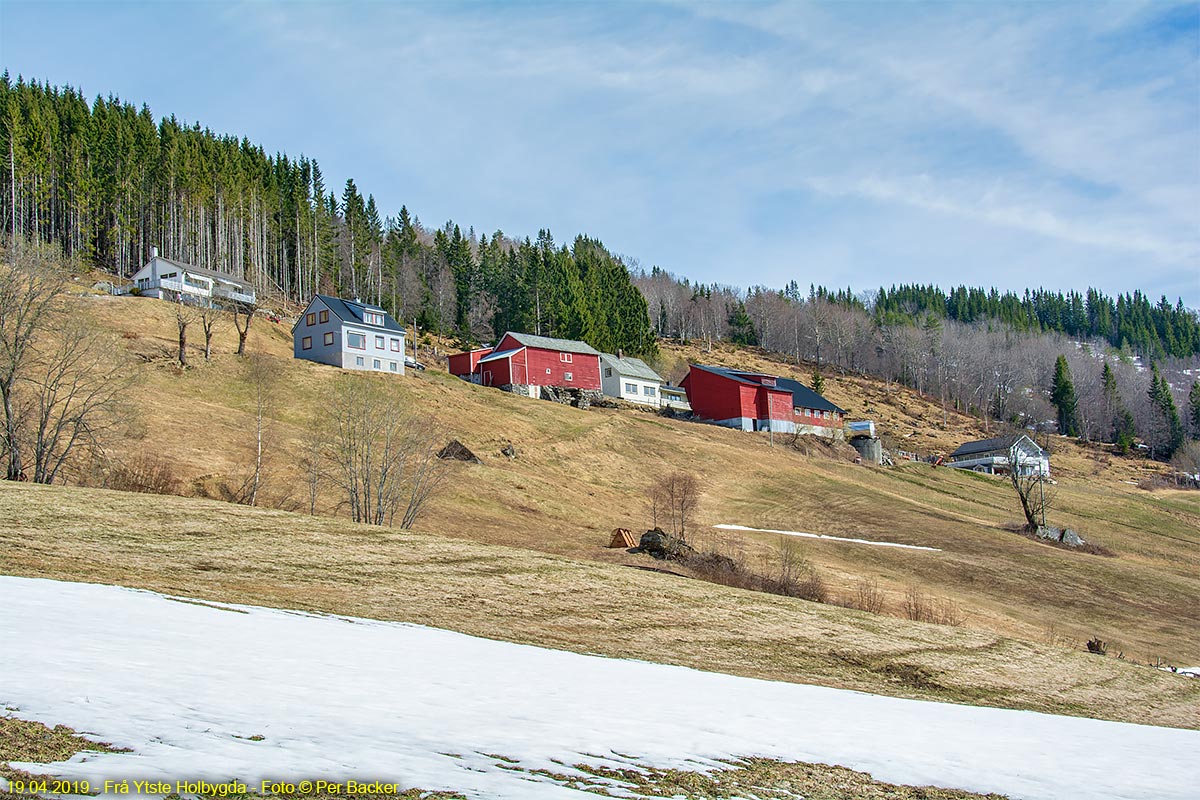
<point>631,388</point>
<point>310,319</point>
<point>568,376</point>
<point>329,337</point>
<point>306,343</point>
<point>378,342</point>
<point>395,345</point>
<point>324,316</point>
<point>608,372</point>
<point>357,341</point>
<point>564,357</point>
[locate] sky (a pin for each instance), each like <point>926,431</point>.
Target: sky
<point>846,144</point>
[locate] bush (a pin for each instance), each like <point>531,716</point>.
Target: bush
<point>921,607</point>
<point>149,475</point>
<point>866,596</point>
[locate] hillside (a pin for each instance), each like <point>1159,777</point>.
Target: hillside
<point>578,474</point>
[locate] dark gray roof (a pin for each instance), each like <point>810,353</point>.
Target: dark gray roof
<point>208,273</point>
<point>547,343</point>
<point>352,311</point>
<point>802,396</point>
<point>629,367</point>
<point>995,445</point>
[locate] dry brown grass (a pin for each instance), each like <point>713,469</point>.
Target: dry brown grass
<point>217,551</point>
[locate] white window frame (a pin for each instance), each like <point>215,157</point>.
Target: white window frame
<point>569,376</point>
<point>350,335</point>
<point>564,357</point>
<point>631,388</point>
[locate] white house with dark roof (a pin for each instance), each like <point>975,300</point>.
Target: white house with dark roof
<point>995,456</point>
<point>168,279</point>
<point>349,334</point>
<point>630,379</point>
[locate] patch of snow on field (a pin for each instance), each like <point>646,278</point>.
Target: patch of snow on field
<point>186,685</point>
<point>826,536</point>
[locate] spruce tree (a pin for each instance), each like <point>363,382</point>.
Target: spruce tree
<point>1194,409</point>
<point>818,383</point>
<point>1170,434</point>
<point>741,327</point>
<point>1062,395</point>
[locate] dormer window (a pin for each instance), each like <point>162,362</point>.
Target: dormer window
<point>372,318</point>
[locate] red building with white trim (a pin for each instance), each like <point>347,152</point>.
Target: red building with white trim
<point>523,363</point>
<point>754,401</point>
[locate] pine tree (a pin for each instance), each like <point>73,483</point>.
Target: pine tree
<point>1062,395</point>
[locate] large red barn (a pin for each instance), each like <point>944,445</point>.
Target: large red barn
<point>754,401</point>
<point>523,363</point>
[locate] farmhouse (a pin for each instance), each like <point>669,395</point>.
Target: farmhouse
<point>630,379</point>
<point>167,279</point>
<point>753,401</point>
<point>992,456</point>
<point>533,366</point>
<point>349,334</point>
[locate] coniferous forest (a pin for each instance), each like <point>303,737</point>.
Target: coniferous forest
<point>105,181</point>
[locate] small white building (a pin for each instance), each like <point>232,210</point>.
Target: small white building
<point>349,334</point>
<point>993,456</point>
<point>167,279</point>
<point>630,379</point>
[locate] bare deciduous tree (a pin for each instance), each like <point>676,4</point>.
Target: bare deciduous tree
<point>381,457</point>
<point>673,499</point>
<point>29,286</point>
<point>185,315</point>
<point>262,375</point>
<point>210,318</point>
<point>1029,484</point>
<point>243,316</point>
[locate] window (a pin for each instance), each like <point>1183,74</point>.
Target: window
<point>329,338</point>
<point>631,388</point>
<point>547,370</point>
<point>378,342</point>
<point>564,357</point>
<point>310,319</point>
<point>306,343</point>
<point>376,364</point>
<point>358,361</point>
<point>371,318</point>
<point>324,316</point>
<point>167,275</point>
<point>392,365</point>
<point>649,391</point>
<point>357,341</point>
<point>568,376</point>
<point>608,372</point>
<point>395,345</point>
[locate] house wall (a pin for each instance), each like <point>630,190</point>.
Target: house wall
<point>378,348</point>
<point>498,372</point>
<point>320,352</point>
<point>718,398</point>
<point>463,364</point>
<point>546,368</point>
<point>812,417</point>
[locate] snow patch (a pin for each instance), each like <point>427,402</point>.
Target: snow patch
<point>187,686</point>
<point>827,537</point>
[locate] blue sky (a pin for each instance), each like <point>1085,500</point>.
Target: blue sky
<point>861,144</point>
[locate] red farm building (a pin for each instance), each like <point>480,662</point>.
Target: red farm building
<point>523,363</point>
<point>753,401</point>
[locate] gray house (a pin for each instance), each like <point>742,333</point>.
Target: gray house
<point>168,279</point>
<point>630,379</point>
<point>993,456</point>
<point>349,334</point>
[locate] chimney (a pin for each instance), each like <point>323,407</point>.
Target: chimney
<point>620,353</point>
<point>153,252</point>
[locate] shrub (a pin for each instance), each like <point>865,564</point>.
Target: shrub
<point>920,607</point>
<point>146,474</point>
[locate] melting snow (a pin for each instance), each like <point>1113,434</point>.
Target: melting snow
<point>827,537</point>
<point>185,685</point>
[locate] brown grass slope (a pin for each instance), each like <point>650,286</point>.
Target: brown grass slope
<point>220,551</point>
<point>581,473</point>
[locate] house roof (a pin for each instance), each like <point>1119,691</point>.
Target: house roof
<point>352,311</point>
<point>501,354</point>
<point>997,444</point>
<point>547,343</point>
<point>208,273</point>
<point>631,367</point>
<point>802,396</point>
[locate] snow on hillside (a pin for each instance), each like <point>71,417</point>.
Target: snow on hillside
<point>187,684</point>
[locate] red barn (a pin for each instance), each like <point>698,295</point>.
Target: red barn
<point>521,362</point>
<point>753,401</point>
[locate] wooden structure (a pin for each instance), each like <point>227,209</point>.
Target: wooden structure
<point>622,537</point>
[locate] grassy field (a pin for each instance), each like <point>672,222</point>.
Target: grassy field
<point>515,547</point>
<point>213,550</point>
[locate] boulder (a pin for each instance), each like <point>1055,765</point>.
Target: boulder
<point>662,545</point>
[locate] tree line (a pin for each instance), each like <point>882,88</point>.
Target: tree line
<point>104,181</point>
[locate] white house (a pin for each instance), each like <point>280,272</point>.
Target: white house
<point>630,379</point>
<point>349,334</point>
<point>993,455</point>
<point>165,278</point>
